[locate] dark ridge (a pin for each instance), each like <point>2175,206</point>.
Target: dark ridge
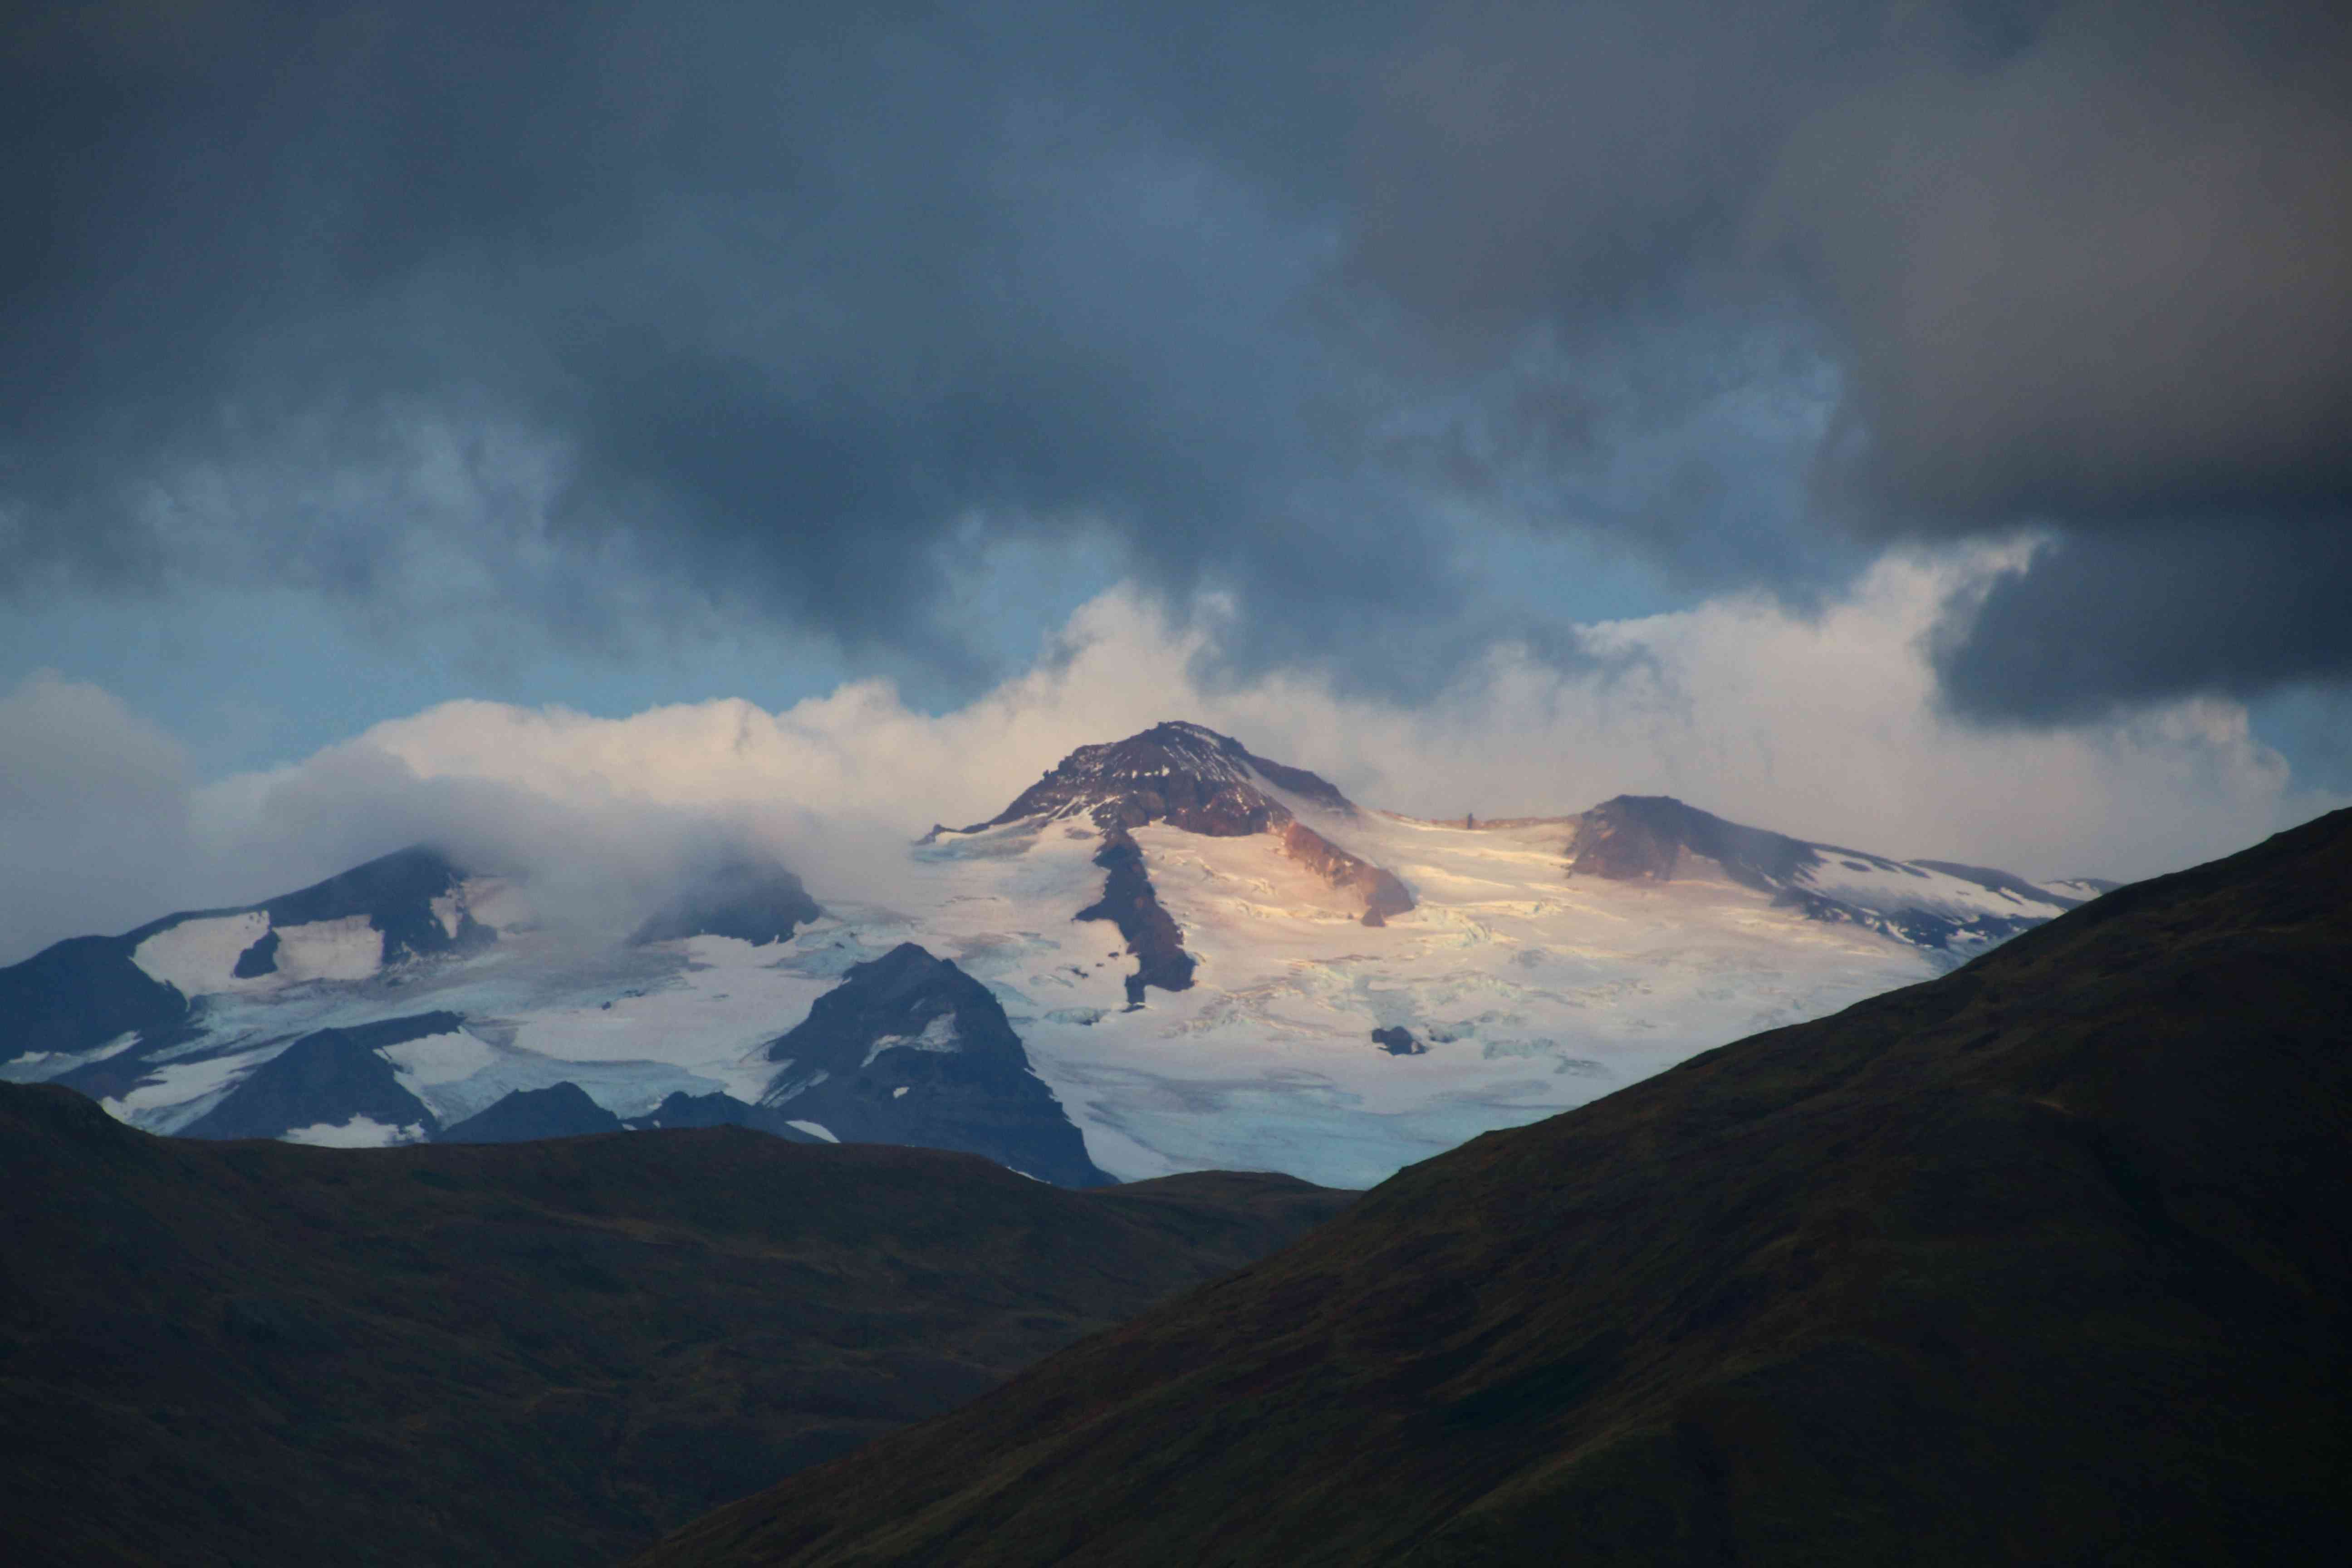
<point>1643,837</point>
<point>528,1353</point>
<point>328,1077</point>
<point>1182,773</point>
<point>2040,1262</point>
<point>1383,895</point>
<point>910,1050</point>
<point>560,1110</point>
<point>717,1108</point>
<point>1130,903</point>
<point>395,893</point>
<point>85,990</point>
<point>1920,927</point>
<point>1987,877</point>
<point>80,994</point>
<point>758,903</point>
<point>258,960</point>
<point>1296,781</point>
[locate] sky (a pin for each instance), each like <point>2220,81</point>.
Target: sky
<point>1915,424</point>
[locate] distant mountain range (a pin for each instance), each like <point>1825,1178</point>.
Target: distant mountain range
<point>1167,953</point>
<point>2044,1261</point>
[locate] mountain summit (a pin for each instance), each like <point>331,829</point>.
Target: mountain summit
<point>1194,779</point>
<point>1184,774</point>
<point>1935,904</point>
<point>1297,983</point>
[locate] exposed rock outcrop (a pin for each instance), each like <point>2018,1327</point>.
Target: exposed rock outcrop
<point>1128,902</point>
<point>910,1050</point>
<point>1184,774</point>
<point>1382,894</point>
<point>752,900</point>
<point>559,1110</point>
<point>1939,905</point>
<point>1193,778</point>
<point>327,1079</point>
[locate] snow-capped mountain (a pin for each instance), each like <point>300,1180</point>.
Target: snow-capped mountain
<point>1932,904</point>
<point>1167,953</point>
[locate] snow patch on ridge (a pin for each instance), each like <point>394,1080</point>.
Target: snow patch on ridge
<point>359,1132</point>
<point>346,948</point>
<point>195,956</point>
<point>940,1034</point>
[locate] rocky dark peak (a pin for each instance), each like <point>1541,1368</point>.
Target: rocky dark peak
<point>396,893</point>
<point>749,898</point>
<point>1191,777</point>
<point>1636,838</point>
<point>1177,772</point>
<point>85,990</point>
<point>910,1050</point>
<point>908,996</point>
<point>1645,836</point>
<point>717,1108</point>
<point>327,1077</point>
<point>77,995</point>
<point>559,1110</point>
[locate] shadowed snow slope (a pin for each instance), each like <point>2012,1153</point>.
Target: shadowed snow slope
<point>2041,1261</point>
<point>1193,948</point>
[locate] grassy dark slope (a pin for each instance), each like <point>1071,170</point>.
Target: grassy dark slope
<point>532,1353</point>
<point>2044,1261</point>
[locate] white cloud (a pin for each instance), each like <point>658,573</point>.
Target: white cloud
<point>93,824</point>
<point>1823,727</point>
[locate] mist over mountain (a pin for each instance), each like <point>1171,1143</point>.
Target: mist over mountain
<point>1170,952</point>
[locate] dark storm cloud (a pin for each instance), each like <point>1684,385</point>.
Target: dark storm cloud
<point>783,306</point>
<point>2104,617</point>
<point>2081,269</point>
<point>792,300</point>
<point>2104,289</point>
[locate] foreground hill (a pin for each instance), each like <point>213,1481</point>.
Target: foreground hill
<point>2044,1261</point>
<point>542,1352</point>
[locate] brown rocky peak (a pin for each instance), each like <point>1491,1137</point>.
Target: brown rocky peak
<point>1185,775</point>
<point>1645,836</point>
<point>1191,777</point>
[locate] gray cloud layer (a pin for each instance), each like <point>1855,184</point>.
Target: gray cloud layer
<point>789,310</point>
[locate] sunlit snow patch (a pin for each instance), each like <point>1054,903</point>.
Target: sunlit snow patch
<point>359,1132</point>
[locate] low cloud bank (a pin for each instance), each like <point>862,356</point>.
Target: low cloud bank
<point>1825,727</point>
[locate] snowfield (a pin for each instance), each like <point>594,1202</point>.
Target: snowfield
<point>1525,990</point>
<point>1533,993</point>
